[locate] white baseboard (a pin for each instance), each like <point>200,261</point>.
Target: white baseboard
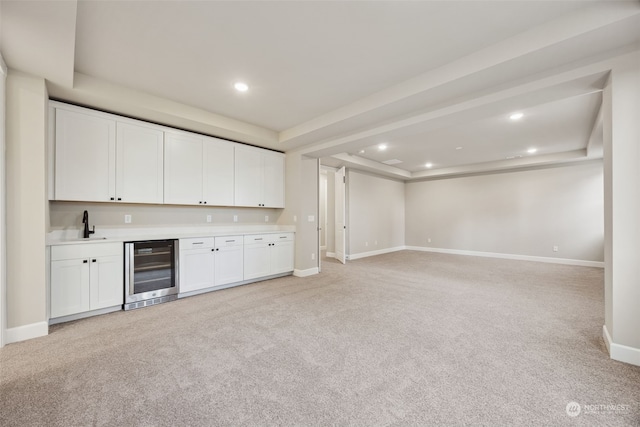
<point>619,352</point>
<point>305,273</point>
<point>26,332</point>
<point>374,253</point>
<point>550,260</point>
<point>331,254</point>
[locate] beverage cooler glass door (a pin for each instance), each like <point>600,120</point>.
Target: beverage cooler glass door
<point>150,269</point>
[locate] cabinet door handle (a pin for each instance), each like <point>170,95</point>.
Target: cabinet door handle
<point>84,261</point>
<point>112,198</point>
<point>119,198</point>
<point>93,260</point>
<point>205,202</point>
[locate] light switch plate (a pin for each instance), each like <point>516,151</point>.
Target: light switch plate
<point>311,218</point>
<point>235,218</point>
<point>127,219</point>
<point>208,218</point>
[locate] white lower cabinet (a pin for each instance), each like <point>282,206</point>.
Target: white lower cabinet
<point>210,261</point>
<point>268,254</point>
<point>85,277</point>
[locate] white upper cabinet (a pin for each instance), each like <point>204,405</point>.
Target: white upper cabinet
<point>85,156</point>
<point>183,168</point>
<point>259,177</point>
<point>218,171</point>
<point>101,159</point>
<point>198,170</point>
<point>139,163</point>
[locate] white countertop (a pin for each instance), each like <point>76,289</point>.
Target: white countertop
<point>74,236</point>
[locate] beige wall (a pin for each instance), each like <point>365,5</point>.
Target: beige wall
<point>301,202</point>
<point>376,218</point>
<point>622,206</point>
<point>26,127</point>
<point>3,247</point>
<point>68,215</point>
<point>519,213</point>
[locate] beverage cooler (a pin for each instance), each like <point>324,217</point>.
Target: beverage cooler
<point>151,272</point>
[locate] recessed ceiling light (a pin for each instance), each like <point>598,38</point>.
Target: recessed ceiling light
<point>361,151</point>
<point>382,147</point>
<point>516,116</point>
<point>428,165</point>
<point>532,150</point>
<point>458,148</point>
<point>241,87</point>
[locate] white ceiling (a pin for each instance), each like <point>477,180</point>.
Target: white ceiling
<point>333,77</point>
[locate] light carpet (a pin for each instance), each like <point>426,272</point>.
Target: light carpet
<point>407,338</point>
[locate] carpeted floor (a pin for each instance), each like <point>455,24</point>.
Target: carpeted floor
<point>408,338</point>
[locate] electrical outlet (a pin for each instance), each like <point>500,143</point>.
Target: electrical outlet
<point>555,248</point>
<point>127,219</point>
<point>429,240</point>
<point>375,243</point>
<point>313,256</point>
<point>366,244</point>
<point>208,218</point>
<point>295,218</point>
<point>266,218</point>
<point>235,218</point>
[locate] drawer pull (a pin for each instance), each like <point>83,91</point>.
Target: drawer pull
<point>283,237</point>
<point>258,239</point>
<point>198,243</point>
<point>229,241</point>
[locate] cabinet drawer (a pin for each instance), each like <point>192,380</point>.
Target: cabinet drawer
<point>197,243</point>
<point>63,252</point>
<point>256,238</point>
<point>281,237</point>
<point>229,241</point>
<point>268,237</point>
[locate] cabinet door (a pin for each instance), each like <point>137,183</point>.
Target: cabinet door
<point>69,287</point>
<point>182,169</point>
<point>229,264</point>
<point>196,269</point>
<point>248,177</point>
<point>273,193</point>
<point>282,257</point>
<point>85,150</point>
<point>106,282</point>
<point>139,164</point>
<point>256,260</point>
<point>218,172</point>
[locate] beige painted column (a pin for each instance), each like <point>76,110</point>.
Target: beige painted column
<point>621,127</point>
<point>26,130</point>
<point>301,201</point>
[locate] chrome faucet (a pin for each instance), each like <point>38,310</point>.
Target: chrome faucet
<point>85,220</point>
